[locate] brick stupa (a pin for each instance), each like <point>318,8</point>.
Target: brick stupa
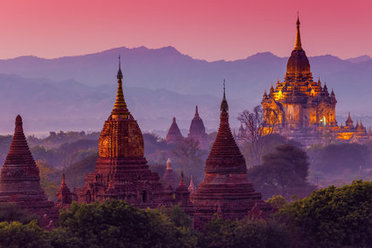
<point>225,190</point>
<point>64,195</point>
<point>197,131</point>
<point>174,135</point>
<point>169,177</point>
<point>20,180</point>
<point>121,169</point>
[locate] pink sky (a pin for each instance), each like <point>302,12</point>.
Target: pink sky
<point>206,29</point>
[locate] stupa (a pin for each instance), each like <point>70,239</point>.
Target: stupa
<point>20,180</point>
<point>174,135</point>
<point>197,131</point>
<point>225,189</point>
<point>169,177</point>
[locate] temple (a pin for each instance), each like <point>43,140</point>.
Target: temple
<point>121,170</point>
<point>303,109</point>
<point>225,190</point>
<point>197,131</point>
<point>174,135</point>
<point>20,180</point>
<point>169,177</point>
<point>64,195</point>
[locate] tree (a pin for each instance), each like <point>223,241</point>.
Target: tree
<point>283,172</point>
<point>15,234</point>
<point>10,212</point>
<point>245,233</point>
<point>190,158</point>
<point>117,224</point>
<point>257,123</point>
<point>50,187</point>
<point>332,217</point>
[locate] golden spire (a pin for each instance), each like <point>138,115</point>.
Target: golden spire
<point>298,45</point>
<point>120,107</point>
<point>63,179</point>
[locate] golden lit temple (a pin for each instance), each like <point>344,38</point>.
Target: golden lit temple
<point>303,109</point>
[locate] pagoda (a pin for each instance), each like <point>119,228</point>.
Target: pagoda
<point>64,195</point>
<point>169,177</point>
<point>20,180</point>
<point>197,131</point>
<point>174,135</point>
<point>225,189</point>
<point>121,170</point>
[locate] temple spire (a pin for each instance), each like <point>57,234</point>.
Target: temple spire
<point>182,181</point>
<point>120,106</point>
<point>196,111</point>
<point>298,45</point>
<point>63,179</point>
<point>224,105</point>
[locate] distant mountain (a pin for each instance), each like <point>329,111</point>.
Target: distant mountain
<point>77,92</point>
<point>360,59</point>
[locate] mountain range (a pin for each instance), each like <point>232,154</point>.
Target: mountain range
<point>77,92</point>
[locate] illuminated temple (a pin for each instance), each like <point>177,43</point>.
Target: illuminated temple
<point>304,109</point>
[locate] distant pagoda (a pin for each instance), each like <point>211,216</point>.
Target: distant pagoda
<point>174,135</point>
<point>225,190</point>
<point>169,177</point>
<point>121,170</point>
<point>64,195</point>
<point>197,131</point>
<point>20,180</point>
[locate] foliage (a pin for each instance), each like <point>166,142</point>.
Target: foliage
<point>11,212</point>
<point>332,217</point>
<point>256,127</point>
<point>269,144</point>
<point>340,161</point>
<point>190,158</point>
<point>277,202</point>
<point>177,216</point>
<point>245,233</point>
<point>117,224</point>
<point>50,187</point>
<point>66,154</point>
<point>283,172</point>
<point>15,234</point>
<point>76,172</point>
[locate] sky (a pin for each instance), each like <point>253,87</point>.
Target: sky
<point>204,29</point>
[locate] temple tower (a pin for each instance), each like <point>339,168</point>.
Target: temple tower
<point>64,195</point>
<point>197,131</point>
<point>20,179</point>
<point>170,178</point>
<point>225,186</point>
<point>174,135</point>
<point>121,170</point>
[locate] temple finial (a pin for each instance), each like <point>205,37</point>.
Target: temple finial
<point>224,105</point>
<point>120,74</point>
<point>120,106</point>
<point>182,181</point>
<point>196,111</point>
<point>63,179</point>
<point>298,45</point>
